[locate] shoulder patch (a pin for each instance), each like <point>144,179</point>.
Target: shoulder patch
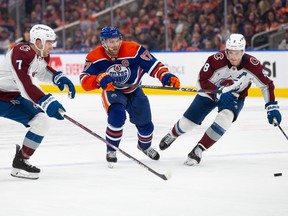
<point>25,48</point>
<point>254,61</point>
<point>218,56</point>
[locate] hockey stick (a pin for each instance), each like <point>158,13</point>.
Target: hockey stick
<point>276,123</point>
<point>236,85</point>
<point>162,176</point>
<point>282,131</point>
<point>166,88</point>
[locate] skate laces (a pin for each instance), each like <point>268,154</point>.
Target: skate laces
<point>26,162</point>
<point>168,139</point>
<point>198,152</point>
<point>151,152</point>
<point>111,154</point>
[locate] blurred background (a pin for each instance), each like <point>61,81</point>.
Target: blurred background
<point>162,25</point>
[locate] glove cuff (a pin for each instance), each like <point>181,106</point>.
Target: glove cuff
<point>57,76</point>
<point>100,76</point>
<point>45,101</point>
<point>165,78</point>
<point>272,106</point>
<point>103,79</point>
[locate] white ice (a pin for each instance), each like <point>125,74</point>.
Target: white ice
<point>235,177</point>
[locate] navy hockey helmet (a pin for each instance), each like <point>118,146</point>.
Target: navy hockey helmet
<point>109,32</point>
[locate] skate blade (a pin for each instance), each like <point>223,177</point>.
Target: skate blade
<point>110,165</point>
<point>18,173</point>
<point>190,162</point>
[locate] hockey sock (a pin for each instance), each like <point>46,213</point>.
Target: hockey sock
<point>113,136</point>
<point>30,144</point>
<point>145,135</point>
<point>182,126</point>
<point>221,124</point>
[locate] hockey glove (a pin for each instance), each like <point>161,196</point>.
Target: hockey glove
<point>61,81</point>
<point>229,99</point>
<point>273,113</point>
<point>169,79</point>
<point>105,81</point>
<point>51,106</point>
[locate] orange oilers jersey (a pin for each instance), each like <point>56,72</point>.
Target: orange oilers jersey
<point>129,67</point>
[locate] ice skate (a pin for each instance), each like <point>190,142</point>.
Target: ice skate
<point>166,141</point>
<point>150,152</point>
<point>22,168</point>
<point>111,158</point>
<point>194,157</point>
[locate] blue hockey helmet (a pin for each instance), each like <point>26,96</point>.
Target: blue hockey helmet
<point>109,32</point>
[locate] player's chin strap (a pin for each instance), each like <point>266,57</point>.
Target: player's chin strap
<point>162,176</point>
<point>276,123</point>
<point>40,50</point>
<point>166,88</point>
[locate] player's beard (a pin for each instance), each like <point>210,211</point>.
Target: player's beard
<point>113,52</point>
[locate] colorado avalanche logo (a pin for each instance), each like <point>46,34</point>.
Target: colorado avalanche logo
<point>219,56</point>
<point>254,61</point>
<point>25,48</point>
<point>225,82</point>
<point>120,73</point>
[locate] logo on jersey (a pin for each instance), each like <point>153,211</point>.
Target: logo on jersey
<point>219,56</point>
<point>254,61</point>
<point>120,73</point>
<point>225,81</point>
<point>25,48</point>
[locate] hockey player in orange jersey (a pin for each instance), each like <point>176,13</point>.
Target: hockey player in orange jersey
<point>123,62</point>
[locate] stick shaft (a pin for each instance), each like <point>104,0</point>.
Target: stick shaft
<point>282,131</point>
<point>275,122</point>
<point>162,176</point>
<point>167,88</point>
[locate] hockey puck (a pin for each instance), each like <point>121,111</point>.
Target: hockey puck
<point>277,174</point>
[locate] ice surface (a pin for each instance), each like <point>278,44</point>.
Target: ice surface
<point>235,177</point>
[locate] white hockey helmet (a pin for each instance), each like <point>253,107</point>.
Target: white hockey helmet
<point>43,33</point>
<point>236,42</point>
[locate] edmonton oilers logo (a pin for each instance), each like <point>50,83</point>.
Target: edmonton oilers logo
<point>120,73</point>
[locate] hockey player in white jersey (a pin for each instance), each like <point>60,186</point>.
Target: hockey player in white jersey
<point>23,101</point>
<point>231,70</point>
